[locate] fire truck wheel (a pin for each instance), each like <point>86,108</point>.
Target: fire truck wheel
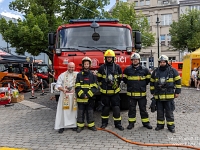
<point>124,103</point>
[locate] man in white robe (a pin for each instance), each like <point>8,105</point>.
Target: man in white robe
<point>67,107</point>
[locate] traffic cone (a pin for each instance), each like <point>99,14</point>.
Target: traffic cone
<point>14,84</point>
<point>42,88</point>
<point>9,96</point>
<point>32,91</point>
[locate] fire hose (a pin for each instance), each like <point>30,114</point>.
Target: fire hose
<point>149,144</point>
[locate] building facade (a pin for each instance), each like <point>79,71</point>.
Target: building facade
<point>160,14</point>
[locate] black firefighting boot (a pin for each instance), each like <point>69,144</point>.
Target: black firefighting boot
<point>147,125</point>
<point>92,128</point>
<point>172,130</point>
<point>118,125</point>
<point>159,127</point>
<point>79,129</point>
<point>104,123</point>
<point>130,126</point>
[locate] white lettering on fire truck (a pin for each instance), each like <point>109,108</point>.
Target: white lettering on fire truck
<point>121,59</point>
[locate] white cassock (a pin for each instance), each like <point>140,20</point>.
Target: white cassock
<point>66,118</point>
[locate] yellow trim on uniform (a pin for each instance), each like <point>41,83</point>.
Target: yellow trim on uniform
<point>136,93</point>
<point>148,76</point>
<point>110,91</point>
<point>90,93</point>
<point>125,76</point>
<point>91,124</point>
<point>178,86</point>
<point>145,120</point>
<point>105,117</point>
<point>160,122</point>
<point>131,119</point>
<point>77,84</point>
<point>85,100</point>
<point>170,123</point>
<point>152,80</point>
<point>99,75</point>
<point>170,80</point>
<point>80,125</point>
<point>177,78</point>
<point>117,119</point>
<point>168,96</point>
<point>152,87</point>
<point>80,93</point>
<point>94,85</point>
<point>137,78</point>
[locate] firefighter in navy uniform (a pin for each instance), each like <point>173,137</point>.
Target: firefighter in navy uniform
<point>137,77</point>
<point>165,85</point>
<point>109,77</point>
<point>85,87</point>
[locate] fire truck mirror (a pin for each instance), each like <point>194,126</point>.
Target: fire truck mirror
<point>137,37</point>
<point>51,38</point>
<point>95,36</point>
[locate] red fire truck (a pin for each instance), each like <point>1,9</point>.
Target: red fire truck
<point>92,37</point>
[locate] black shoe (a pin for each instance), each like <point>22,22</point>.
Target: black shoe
<point>61,130</point>
<point>148,126</point>
<point>92,128</point>
<point>74,129</point>
<point>130,126</point>
<point>103,126</point>
<point>79,129</point>
<point>119,127</point>
<point>171,130</point>
<point>159,128</point>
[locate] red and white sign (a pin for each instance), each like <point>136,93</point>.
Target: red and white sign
<point>95,62</point>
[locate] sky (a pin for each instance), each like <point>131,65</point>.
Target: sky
<point>5,11</point>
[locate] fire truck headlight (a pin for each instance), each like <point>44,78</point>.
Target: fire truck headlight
<point>129,49</point>
<point>58,51</point>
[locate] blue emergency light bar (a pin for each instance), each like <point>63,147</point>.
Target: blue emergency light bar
<point>92,20</point>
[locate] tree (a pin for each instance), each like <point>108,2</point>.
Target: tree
<point>126,14</point>
<point>185,34</point>
<point>40,17</point>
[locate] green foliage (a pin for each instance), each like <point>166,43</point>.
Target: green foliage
<point>186,32</point>
<point>125,12</point>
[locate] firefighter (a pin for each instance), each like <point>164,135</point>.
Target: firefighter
<point>137,77</point>
<point>165,85</point>
<point>85,87</point>
<point>109,77</point>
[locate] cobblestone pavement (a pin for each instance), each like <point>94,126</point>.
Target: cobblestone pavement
<point>24,127</point>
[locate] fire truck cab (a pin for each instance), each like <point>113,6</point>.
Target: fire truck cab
<point>92,37</point>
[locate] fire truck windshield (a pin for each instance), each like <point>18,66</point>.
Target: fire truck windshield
<point>118,37</point>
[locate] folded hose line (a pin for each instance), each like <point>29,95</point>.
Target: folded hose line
<point>149,144</point>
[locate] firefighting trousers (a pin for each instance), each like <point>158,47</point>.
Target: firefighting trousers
<point>85,108</point>
<point>114,102</point>
<point>165,110</point>
<point>142,102</point>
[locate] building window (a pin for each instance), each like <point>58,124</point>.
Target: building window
<point>147,2</point>
<point>148,19</point>
<point>166,19</point>
<point>162,40</point>
<point>136,3</point>
<point>197,7</point>
<point>141,2</point>
<point>169,39</point>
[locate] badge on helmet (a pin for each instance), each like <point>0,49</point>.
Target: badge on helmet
<point>109,53</point>
<point>163,58</point>
<point>135,56</point>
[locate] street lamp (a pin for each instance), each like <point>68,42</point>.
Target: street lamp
<point>157,22</point>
